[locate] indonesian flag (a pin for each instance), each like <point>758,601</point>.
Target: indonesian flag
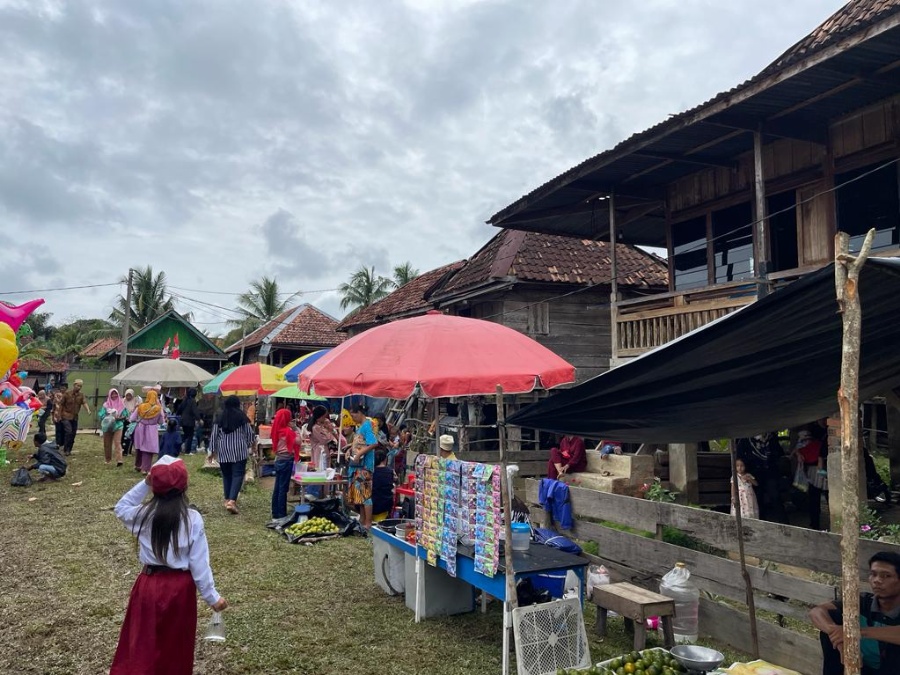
<point>165,351</point>
<point>176,352</point>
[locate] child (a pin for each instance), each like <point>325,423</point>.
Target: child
<point>160,624</point>
<point>382,487</point>
<point>171,440</point>
<point>746,495</point>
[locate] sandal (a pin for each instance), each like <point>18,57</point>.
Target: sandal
<point>231,507</point>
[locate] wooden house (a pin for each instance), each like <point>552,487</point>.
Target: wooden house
<point>150,342</point>
<point>293,333</point>
<point>746,191</point>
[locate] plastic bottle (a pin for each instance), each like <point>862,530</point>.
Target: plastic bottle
<point>677,585</point>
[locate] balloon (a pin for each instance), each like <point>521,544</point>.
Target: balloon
<point>9,352</point>
<point>15,315</point>
<point>6,397</point>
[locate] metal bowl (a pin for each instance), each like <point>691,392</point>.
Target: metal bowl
<point>695,657</point>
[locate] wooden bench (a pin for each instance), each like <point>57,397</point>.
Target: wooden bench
<point>636,605</point>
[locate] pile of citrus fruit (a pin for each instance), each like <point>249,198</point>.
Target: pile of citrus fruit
<point>648,662</point>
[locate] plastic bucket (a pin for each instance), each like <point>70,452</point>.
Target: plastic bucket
<point>265,431</point>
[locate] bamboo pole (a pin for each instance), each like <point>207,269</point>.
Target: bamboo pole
<point>748,584</point>
<point>846,277</point>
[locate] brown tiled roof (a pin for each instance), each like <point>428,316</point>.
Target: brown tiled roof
<point>411,298</point>
<point>46,366</point>
<point>851,18</point>
<point>100,347</point>
<point>528,256</point>
<point>304,326</point>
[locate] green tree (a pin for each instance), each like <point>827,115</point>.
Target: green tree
<point>40,325</point>
<point>363,289</point>
<point>150,299</point>
<point>71,338</point>
<point>260,304</point>
<point>404,273</point>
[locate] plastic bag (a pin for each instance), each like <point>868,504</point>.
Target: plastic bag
<point>21,478</point>
<point>597,576</point>
<point>801,482</point>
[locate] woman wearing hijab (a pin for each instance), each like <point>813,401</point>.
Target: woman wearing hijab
<point>230,440</point>
<point>112,422</point>
<point>287,452</point>
<point>131,402</point>
<point>148,415</point>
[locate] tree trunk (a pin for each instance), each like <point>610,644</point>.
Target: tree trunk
<point>846,276</point>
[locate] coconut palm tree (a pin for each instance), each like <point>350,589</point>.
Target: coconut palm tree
<point>260,304</point>
<point>150,299</point>
<point>363,289</point>
<point>404,273</point>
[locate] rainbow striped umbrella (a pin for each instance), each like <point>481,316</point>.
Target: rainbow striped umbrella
<point>247,380</point>
<point>292,370</point>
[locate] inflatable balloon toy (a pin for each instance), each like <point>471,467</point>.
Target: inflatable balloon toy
<point>14,315</point>
<point>15,407</point>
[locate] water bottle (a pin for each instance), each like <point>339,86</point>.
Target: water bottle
<point>677,585</point>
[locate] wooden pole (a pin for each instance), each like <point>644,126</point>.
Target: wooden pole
<point>846,278</point>
<point>511,599</point>
<point>748,583</point>
<point>613,283</point>
<point>759,216</point>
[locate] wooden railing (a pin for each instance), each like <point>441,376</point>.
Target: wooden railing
<point>778,588</point>
<point>646,323</point>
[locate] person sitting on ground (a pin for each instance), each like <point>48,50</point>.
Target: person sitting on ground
<point>48,459</point>
<point>879,621</point>
<point>568,457</point>
<point>170,443</point>
<point>446,444</point>
<point>382,487</point>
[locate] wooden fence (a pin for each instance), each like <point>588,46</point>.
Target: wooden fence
<point>643,561</point>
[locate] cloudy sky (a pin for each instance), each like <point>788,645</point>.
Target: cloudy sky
<point>219,140</point>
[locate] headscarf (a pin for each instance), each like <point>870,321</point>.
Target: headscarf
<point>191,393</point>
<point>150,408</point>
<point>116,403</point>
<point>280,425</point>
<point>232,416</point>
<point>133,403</point>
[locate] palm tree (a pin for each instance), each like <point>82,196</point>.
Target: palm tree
<point>404,273</point>
<point>70,339</point>
<point>363,289</point>
<point>260,304</point>
<point>150,299</point>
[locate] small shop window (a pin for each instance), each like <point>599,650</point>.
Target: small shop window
<point>689,254</point>
<point>732,231</point>
<point>872,200</point>
<point>783,231</point>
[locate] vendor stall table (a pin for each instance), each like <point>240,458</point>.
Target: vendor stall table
<point>332,487</point>
<point>538,560</point>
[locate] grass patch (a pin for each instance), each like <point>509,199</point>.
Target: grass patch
<point>67,567</point>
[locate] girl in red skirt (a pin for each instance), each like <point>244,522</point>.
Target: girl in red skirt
<point>160,626</point>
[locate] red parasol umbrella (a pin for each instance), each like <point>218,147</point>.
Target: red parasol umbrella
<point>444,355</point>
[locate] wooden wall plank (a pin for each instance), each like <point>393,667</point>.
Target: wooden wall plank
<point>776,644</point>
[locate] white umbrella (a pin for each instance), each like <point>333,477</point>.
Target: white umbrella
<point>167,372</point>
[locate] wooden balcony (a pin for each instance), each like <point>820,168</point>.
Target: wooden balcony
<point>646,323</point>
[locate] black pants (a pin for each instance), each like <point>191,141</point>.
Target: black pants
<point>70,428</point>
<point>768,495</point>
<point>42,421</point>
<point>187,433</point>
<point>60,434</point>
<point>815,508</point>
<point>831,657</point>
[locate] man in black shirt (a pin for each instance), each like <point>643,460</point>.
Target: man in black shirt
<point>48,459</point>
<point>879,621</point>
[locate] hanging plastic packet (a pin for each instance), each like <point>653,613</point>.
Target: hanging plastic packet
<point>215,631</point>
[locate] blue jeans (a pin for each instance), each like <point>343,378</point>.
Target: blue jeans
<point>49,470</point>
<point>233,477</point>
<point>284,468</point>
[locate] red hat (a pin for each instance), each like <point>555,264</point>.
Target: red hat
<point>167,476</point>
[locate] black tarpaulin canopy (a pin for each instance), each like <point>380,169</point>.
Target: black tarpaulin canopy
<point>770,365</point>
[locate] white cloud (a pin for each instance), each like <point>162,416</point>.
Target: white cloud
<point>221,140</point>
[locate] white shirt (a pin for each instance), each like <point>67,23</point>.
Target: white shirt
<point>193,549</point>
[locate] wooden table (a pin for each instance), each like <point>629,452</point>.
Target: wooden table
<point>636,605</point>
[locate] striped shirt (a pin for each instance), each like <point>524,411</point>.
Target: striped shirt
<point>233,447</point>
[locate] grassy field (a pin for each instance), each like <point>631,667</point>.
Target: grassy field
<point>67,566</point>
